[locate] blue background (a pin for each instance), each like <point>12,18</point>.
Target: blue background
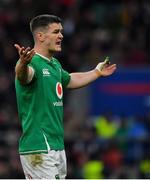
<point>129,94</point>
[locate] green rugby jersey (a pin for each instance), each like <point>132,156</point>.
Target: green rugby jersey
<point>40,107</point>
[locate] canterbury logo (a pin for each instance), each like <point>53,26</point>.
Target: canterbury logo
<point>46,72</point>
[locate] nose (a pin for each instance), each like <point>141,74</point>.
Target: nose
<point>61,35</point>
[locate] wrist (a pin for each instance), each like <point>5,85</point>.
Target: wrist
<point>98,73</point>
<point>23,63</point>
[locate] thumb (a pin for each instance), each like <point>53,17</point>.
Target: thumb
<point>101,65</point>
<point>107,61</point>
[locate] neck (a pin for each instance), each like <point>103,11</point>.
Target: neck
<point>43,52</point>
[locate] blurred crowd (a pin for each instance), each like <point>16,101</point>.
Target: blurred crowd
<point>107,146</point>
<point>111,147</point>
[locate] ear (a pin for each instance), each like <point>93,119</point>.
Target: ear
<point>40,36</point>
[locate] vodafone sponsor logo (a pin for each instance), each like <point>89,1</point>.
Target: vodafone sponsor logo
<point>59,90</point>
<point>58,103</point>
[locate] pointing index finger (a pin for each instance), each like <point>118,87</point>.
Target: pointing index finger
<point>17,47</point>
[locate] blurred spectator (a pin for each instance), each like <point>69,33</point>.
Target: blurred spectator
<point>93,169</point>
<point>112,157</point>
<point>145,166</point>
<point>105,127</point>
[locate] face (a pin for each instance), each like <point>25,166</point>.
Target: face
<point>52,37</point>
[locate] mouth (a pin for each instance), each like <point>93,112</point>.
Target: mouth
<point>58,43</point>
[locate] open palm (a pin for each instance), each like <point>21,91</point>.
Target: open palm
<point>108,70</point>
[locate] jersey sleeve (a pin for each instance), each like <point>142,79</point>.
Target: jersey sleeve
<point>65,78</point>
<point>31,64</point>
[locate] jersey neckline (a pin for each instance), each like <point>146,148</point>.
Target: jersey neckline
<point>47,59</point>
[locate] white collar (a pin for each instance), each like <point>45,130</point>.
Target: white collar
<point>44,57</point>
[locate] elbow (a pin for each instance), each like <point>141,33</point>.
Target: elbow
<point>22,80</point>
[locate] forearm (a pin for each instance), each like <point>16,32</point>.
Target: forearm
<point>79,80</point>
<point>22,71</point>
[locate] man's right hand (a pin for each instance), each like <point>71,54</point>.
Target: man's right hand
<point>24,73</point>
<point>25,54</point>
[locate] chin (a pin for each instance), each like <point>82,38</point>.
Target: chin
<point>58,49</point>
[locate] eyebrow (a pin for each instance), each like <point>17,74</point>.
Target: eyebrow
<point>58,29</point>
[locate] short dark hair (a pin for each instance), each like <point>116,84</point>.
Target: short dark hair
<point>43,21</point>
